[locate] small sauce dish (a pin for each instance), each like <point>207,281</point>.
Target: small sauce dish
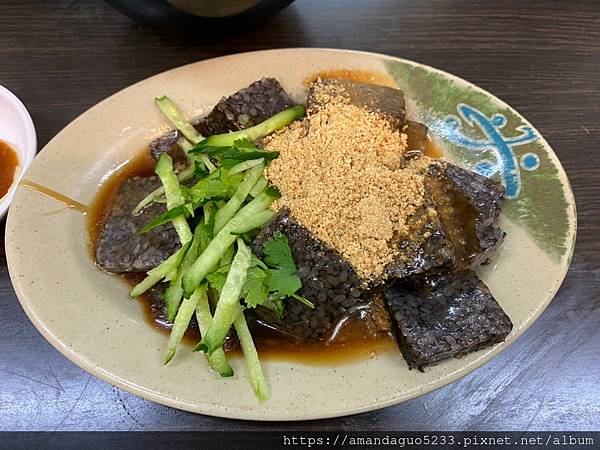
<point>18,145</point>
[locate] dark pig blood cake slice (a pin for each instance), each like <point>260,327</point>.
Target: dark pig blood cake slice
<point>461,232</point>
<point>120,248</point>
<point>327,280</point>
<point>450,317</point>
<point>246,108</point>
<point>477,201</point>
<point>387,101</point>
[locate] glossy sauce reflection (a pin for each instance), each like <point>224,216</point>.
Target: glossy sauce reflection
<point>433,150</point>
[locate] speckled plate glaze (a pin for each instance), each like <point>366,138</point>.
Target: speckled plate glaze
<point>85,313</point>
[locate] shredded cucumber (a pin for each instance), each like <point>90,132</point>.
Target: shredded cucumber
<point>217,360</point>
<point>217,247</point>
<point>164,170</point>
<point>245,165</point>
<point>259,131</point>
<point>225,214</point>
<point>165,270</point>
<point>182,321</point>
<point>260,185</point>
<point>176,117</point>
<point>228,306</point>
<point>253,367</point>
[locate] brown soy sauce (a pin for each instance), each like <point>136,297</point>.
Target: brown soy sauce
<point>433,150</point>
<point>358,76</point>
<point>68,202</point>
<point>9,161</point>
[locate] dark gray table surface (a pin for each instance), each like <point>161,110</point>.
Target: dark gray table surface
<point>543,57</point>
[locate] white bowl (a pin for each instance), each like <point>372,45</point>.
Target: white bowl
<point>17,129</point>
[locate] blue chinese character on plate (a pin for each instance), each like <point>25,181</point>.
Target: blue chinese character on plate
<point>500,157</point>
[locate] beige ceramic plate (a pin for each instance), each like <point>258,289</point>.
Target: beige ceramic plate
<point>85,313</point>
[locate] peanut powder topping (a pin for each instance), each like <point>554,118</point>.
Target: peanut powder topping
<point>341,176</point>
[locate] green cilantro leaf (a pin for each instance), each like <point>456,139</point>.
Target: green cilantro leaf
<point>256,289</point>
<point>268,283</point>
<point>275,305</point>
<point>218,277</point>
<point>200,169</point>
<point>284,274</point>
<point>241,150</point>
<point>165,217</point>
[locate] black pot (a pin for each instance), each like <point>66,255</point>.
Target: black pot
<point>200,14</point>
